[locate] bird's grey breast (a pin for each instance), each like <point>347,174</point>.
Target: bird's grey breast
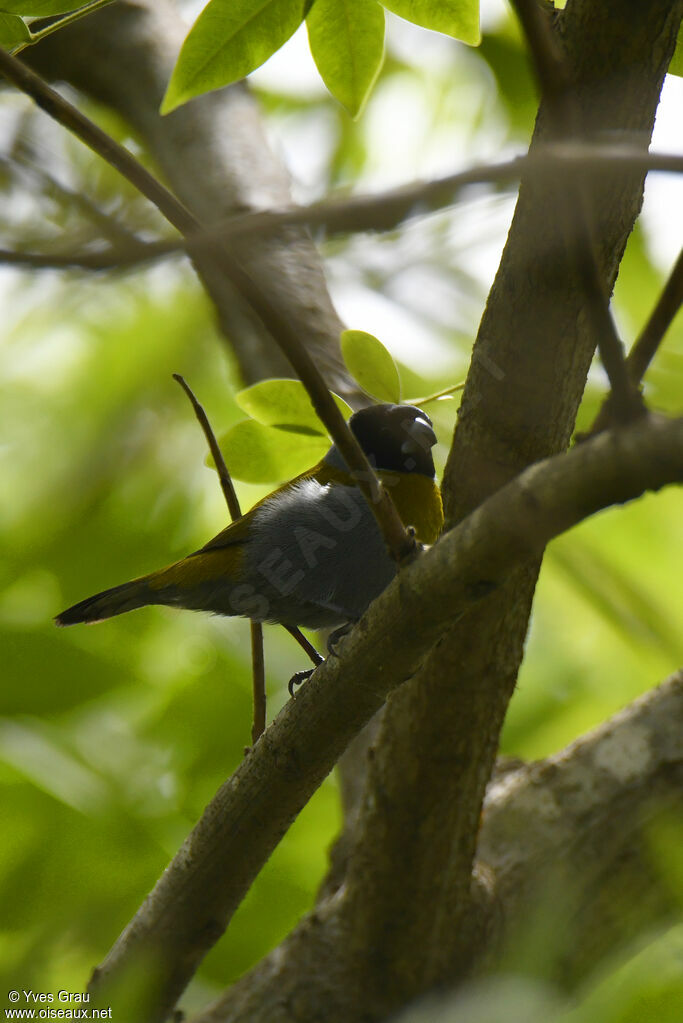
<point>318,554</point>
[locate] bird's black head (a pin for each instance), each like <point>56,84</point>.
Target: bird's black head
<point>397,438</point>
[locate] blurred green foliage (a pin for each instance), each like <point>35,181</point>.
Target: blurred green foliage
<point>113,738</point>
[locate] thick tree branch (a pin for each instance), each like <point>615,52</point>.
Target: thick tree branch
<point>388,210</point>
<point>585,812</point>
<point>200,890</point>
<point>574,196</point>
<point>573,831</point>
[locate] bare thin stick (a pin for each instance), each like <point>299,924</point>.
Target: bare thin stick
<point>67,19</point>
<point>109,259</point>
<point>258,673</point>
<point>557,88</point>
<point>647,343</point>
<point>669,302</point>
<point>447,392</point>
<point>216,453</point>
<point>398,540</point>
<point>257,660</point>
<point>28,161</point>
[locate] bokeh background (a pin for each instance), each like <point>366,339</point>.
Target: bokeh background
<point>113,738</point>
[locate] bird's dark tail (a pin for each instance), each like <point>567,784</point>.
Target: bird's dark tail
<point>108,603</point>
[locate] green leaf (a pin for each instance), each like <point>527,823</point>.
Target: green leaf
<point>457,18</point>
<point>371,364</point>
<point>285,404</point>
<point>347,43</point>
<point>13,31</point>
<point>228,40</point>
<point>41,8</point>
<point>264,454</point>
<point>676,65</point>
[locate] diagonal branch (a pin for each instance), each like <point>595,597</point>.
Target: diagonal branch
<point>200,890</point>
<point>648,341</point>
<point>576,826</point>
<point>232,501</point>
<point>618,778</point>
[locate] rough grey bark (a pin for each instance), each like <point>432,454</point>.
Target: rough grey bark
<point>574,831</point>
<point>214,155</point>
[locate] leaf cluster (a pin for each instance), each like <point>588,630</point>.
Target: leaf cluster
<point>231,38</point>
<point>284,435</point>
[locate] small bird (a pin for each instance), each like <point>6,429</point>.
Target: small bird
<point>310,553</point>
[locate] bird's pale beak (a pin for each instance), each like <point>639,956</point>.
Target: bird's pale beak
<point>421,436</point>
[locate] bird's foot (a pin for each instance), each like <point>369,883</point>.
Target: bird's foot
<point>297,679</point>
<point>333,639</point>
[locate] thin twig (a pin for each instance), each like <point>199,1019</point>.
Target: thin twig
<point>26,160</point>
<point>116,155</point>
<point>557,88</point>
<point>108,259</point>
<point>446,392</point>
<point>382,212</point>
<point>646,344</point>
<point>62,22</point>
<point>258,669</point>
<point>223,475</point>
<point>258,674</point>
<point>398,540</point>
